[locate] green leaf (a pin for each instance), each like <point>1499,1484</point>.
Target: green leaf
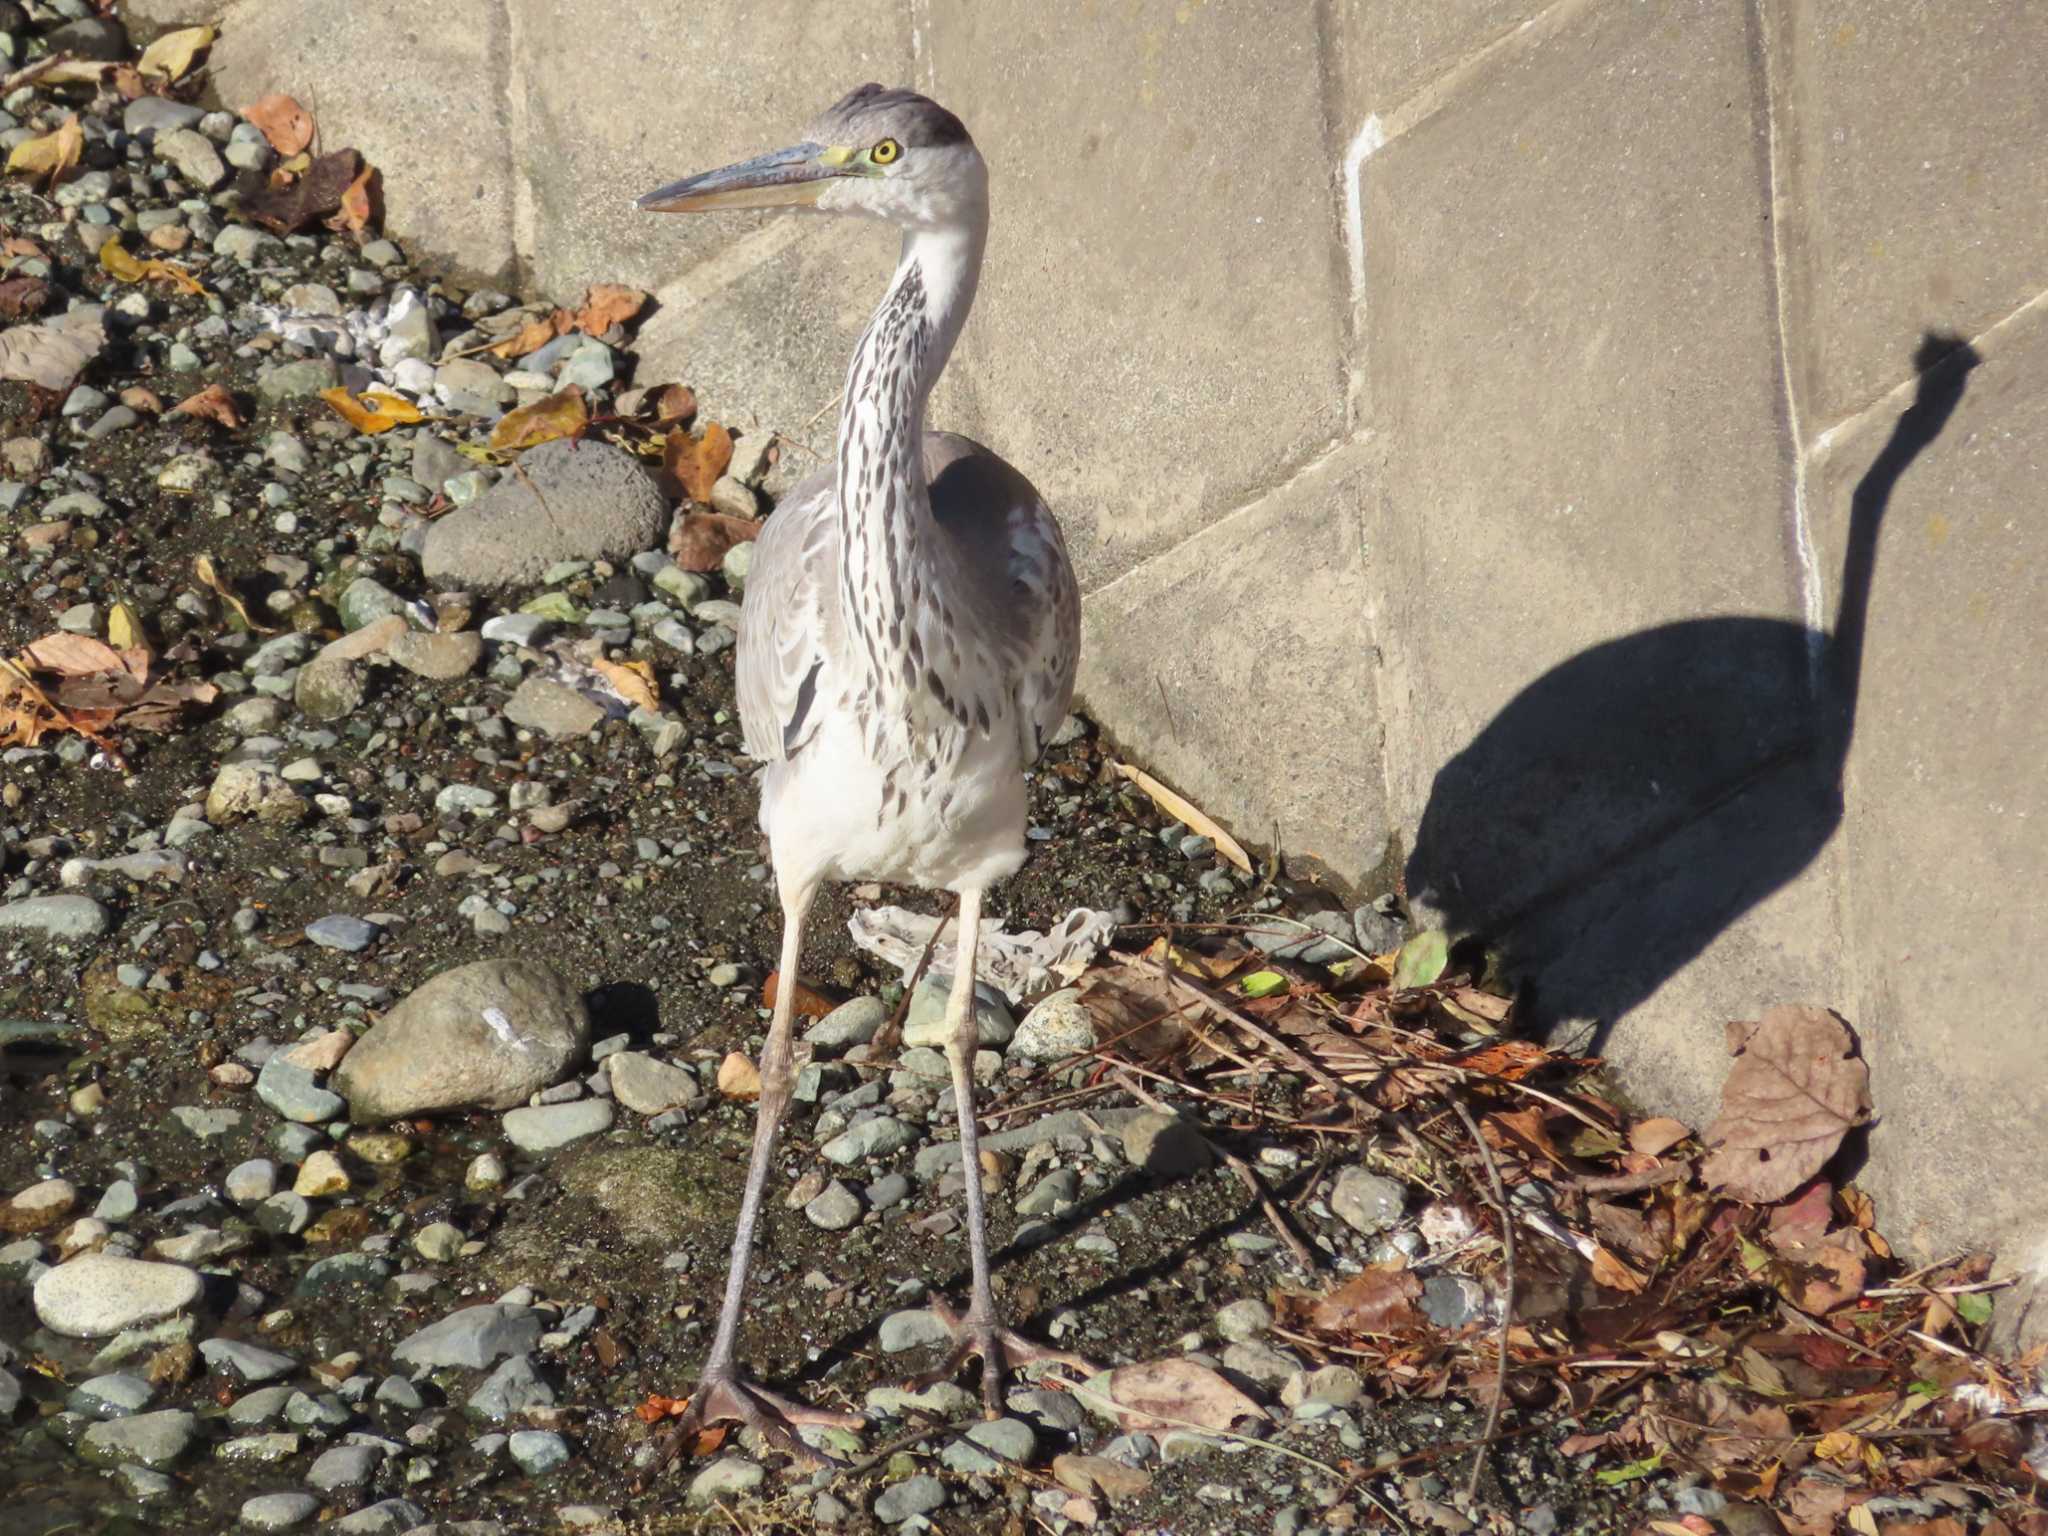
<point>1923,1389</point>
<point>1972,1307</point>
<point>554,605</point>
<point>1422,959</point>
<point>1263,984</point>
<point>1754,1257</point>
<point>1631,1472</point>
<point>1589,1143</point>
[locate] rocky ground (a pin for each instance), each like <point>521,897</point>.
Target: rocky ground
<point>384,931</point>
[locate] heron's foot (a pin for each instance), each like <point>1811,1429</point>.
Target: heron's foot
<point>1000,1350</point>
<point>725,1397</point>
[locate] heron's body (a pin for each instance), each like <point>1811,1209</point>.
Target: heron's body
<point>873,775</point>
<point>907,642</point>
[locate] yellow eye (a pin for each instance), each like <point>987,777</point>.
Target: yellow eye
<point>886,153</point>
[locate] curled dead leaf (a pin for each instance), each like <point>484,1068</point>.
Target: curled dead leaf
<point>632,681</point>
<point>693,464</point>
<point>288,207</point>
<point>674,403</point>
<point>1796,1089</point>
<point>532,336</point>
<point>127,268</point>
<point>281,120</point>
<point>606,305</point>
<point>807,1003</point>
<point>212,403</point>
<point>359,202</point>
<point>1382,1299</point>
<point>51,154</point>
<point>210,578</point>
<point>1657,1135</point>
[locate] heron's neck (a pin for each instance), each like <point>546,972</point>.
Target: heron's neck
<point>884,502</point>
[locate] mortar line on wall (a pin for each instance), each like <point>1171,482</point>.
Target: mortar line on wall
<point>1812,583</point>
<point>923,57</point>
<point>1330,451</point>
<point>512,96</point>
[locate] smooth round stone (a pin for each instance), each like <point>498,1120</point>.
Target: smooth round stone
<point>912,1329</point>
<point>342,931</point>
<point>1058,1026</point>
<point>726,1476</point>
<point>925,1021</point>
<point>545,1127</point>
<point>252,1182</point>
<point>834,1209</point>
<point>153,1440</point>
<point>537,1451</point>
<point>99,1294</point>
<point>1368,1203</point>
<point>279,1511</point>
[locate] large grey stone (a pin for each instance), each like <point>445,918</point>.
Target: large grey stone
<point>1157,668</point>
<point>63,918</point>
<point>142,1439</point>
<point>576,501</point>
<point>473,1338</point>
<point>98,1294</point>
<point>1946,831</point>
<point>1160,279</point>
<point>441,82</point>
<point>1911,137</point>
<point>485,1035</point>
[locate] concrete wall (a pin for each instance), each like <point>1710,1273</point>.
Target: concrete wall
<point>1472,420</point>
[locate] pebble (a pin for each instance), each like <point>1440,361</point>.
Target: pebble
<point>193,156</point>
<point>320,1175</point>
<point>39,1207</point>
<point>554,709</point>
<point>1057,1026</point>
<point>252,789</point>
<point>545,1127</point>
<point>877,1137</point>
<point>512,1389</point>
<point>1368,1203</point>
<point>279,1511</point>
<point>727,1477</point>
<point>344,1466</point>
<point>112,1396</point>
<point>835,1209</point>
<point>1165,1146</point>
<point>486,1035</point>
<point>438,1242</point>
<point>649,1086</point>
<point>473,1338</point>
<point>153,1440</point>
<point>854,1022</point>
<point>439,658</point>
<point>925,1022</point>
<point>351,935</point>
<point>290,1090</point>
<point>64,919</point>
<point>918,1495</point>
<point>253,1364</point>
<point>99,1294</point>
<point>1242,1320</point>
<point>537,1451</point>
<point>915,1328</point>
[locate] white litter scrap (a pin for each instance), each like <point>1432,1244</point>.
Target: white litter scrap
<point>1021,964</point>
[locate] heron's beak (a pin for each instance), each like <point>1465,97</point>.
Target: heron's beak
<point>787,178</point>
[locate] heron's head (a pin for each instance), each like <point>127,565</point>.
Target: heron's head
<point>889,154</point>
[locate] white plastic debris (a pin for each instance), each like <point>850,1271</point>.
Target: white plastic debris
<point>1021,964</point>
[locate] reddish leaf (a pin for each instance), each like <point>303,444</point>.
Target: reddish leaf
<point>607,305</point>
<point>285,210</point>
<point>1659,1135</point>
<point>1168,1394</point>
<point>212,403</point>
<point>808,1004</point>
<point>21,297</point>
<point>532,336</point>
<point>1803,1222</point>
<point>695,463</point>
<point>287,125</point>
<point>1380,1300</point>
<point>359,200</point>
<point>699,540</point>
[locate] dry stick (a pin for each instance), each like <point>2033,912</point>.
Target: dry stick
<point>1507,1305</point>
<point>1301,1251</point>
<point>32,73</point>
<point>1629,1183</point>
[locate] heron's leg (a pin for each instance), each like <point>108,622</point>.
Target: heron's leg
<point>722,1394</point>
<point>980,1332</point>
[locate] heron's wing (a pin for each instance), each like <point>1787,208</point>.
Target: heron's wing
<point>786,619</point>
<point>1011,550</point>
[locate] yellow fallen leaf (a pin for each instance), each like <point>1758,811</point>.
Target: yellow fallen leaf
<point>375,412</point>
<point>52,154</point>
<point>124,629</point>
<point>1184,813</point>
<point>633,681</point>
<point>129,269</point>
<point>541,422</point>
<point>172,54</point>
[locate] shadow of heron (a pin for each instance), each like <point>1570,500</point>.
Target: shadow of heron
<point>1631,803</point>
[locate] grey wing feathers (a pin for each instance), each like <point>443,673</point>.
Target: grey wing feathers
<point>784,621</point>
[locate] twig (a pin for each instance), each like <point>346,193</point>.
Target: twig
<point>1271,1041</point>
<point>32,73</point>
<point>1888,1291</point>
<point>1303,1255</point>
<point>1507,1304</point>
<point>1627,1183</point>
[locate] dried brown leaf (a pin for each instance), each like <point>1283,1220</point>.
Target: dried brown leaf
<point>1611,1273</point>
<point>694,464</point>
<point>1165,1394</point>
<point>1658,1135</point>
<point>69,655</point>
<point>359,203</point>
<point>698,540</point>
<point>607,305</point>
<point>52,353</point>
<point>632,681</point>
<point>375,412</point>
<point>127,268</point>
<point>1796,1089</point>
<point>212,403</point>
<point>286,209</point>
<point>23,297</point>
<point>532,336</point>
<point>1381,1300</point>
<point>673,403</point>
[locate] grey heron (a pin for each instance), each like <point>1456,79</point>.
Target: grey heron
<point>907,645</point>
